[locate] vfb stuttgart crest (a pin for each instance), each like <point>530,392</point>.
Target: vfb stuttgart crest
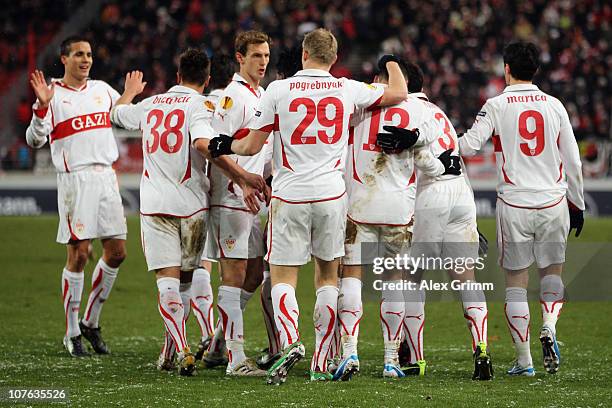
<point>230,243</point>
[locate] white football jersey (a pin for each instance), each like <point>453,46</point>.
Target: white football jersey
<point>380,186</point>
<point>311,110</point>
<point>421,111</point>
<point>173,181</point>
<point>538,162</point>
<point>77,125</point>
<point>234,116</point>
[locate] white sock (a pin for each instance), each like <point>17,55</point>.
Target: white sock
<point>350,311</point>
<point>217,344</point>
<point>72,290</point>
<point>414,321</point>
<point>169,347</point>
<point>231,318</point>
<point>551,300</point>
<point>324,317</point>
<point>171,310</point>
<point>244,298</point>
<point>268,314</point>
<point>392,313</point>
<point>476,315</point>
<point>517,317</point>
<point>102,282</point>
<point>202,301</point>
<point>185,291</point>
<point>391,351</point>
<point>286,313</point>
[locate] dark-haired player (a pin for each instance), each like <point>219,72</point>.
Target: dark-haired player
<point>173,188</point>
<point>73,115</point>
<point>539,196</point>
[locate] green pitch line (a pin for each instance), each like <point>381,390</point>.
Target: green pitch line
<point>31,354</point>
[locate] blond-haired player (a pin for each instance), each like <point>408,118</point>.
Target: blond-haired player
<point>308,206</point>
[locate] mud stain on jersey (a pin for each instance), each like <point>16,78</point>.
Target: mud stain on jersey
<point>274,207</point>
<point>381,162</point>
<point>351,232</point>
<point>165,223</point>
<point>369,179</point>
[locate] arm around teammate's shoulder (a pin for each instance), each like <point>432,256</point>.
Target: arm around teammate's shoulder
<point>397,91</point>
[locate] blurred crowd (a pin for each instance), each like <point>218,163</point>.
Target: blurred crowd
<point>458,43</point>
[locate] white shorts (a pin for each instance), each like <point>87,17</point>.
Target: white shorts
<point>173,241</point>
<point>235,234</point>
<point>298,230</point>
<point>89,205</point>
<point>526,235</point>
<point>207,244</point>
<point>445,221</point>
<point>364,242</point>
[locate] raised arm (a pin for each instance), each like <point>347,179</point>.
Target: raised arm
<point>397,90</point>
<point>123,113</point>
<point>40,126</point>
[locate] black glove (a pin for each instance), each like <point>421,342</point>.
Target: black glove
<point>483,244</point>
<point>576,218</point>
<point>452,164</point>
<point>220,145</point>
<point>382,62</point>
<point>397,139</point>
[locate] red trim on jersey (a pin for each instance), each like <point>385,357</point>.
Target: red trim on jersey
<point>146,173</point>
<point>376,223</point>
<point>375,104</point>
<point>241,134</point>
<point>52,117</point>
<point>337,164</point>
<point>276,123</point>
<point>63,85</point>
<point>311,201</point>
<point>496,143</point>
<point>173,215</point>
<point>530,208</point>
<point>78,124</point>
<point>506,178</point>
<point>560,172</point>
<point>230,208</point>
<point>351,138</point>
<point>249,87</point>
<point>355,174</point>
<point>284,155</point>
<point>497,148</point>
<point>267,128</point>
<point>412,178</point>
<point>110,101</point>
<point>222,255</point>
<point>65,162</point>
<point>41,113</point>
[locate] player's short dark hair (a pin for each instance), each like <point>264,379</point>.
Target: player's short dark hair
<point>221,71</point>
<point>194,66</point>
<point>289,61</point>
<point>523,58</point>
<point>412,73</point>
<point>245,38</point>
<point>65,46</point>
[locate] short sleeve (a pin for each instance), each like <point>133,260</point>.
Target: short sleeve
<point>127,116</point>
<point>114,95</point>
<point>229,113</point>
<point>199,123</point>
<point>266,109</point>
<point>364,95</point>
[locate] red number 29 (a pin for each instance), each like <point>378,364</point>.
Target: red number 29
<point>162,139</point>
<point>537,134</point>
<point>318,111</point>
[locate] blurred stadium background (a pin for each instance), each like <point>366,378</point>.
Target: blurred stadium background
<point>457,43</point>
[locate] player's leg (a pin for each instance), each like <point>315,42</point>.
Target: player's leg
<point>551,236</point>
<point>72,291</point>
<point>102,280</point>
<point>288,244</point>
<point>461,245</point>
<point>515,244</point>
<point>202,305</point>
<point>272,352</point>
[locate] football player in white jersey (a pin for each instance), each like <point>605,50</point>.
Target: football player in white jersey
<point>173,203</point>
<point>237,239</point>
<point>308,206</point>
<point>221,72</point>
<point>444,228</point>
<point>73,115</point>
<point>381,191</point>
<point>539,196</point>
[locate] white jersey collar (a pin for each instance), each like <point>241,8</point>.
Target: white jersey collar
<point>521,87</point>
<point>183,89</point>
<point>419,95</point>
<point>313,73</point>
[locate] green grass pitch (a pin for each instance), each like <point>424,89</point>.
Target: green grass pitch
<point>31,354</point>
